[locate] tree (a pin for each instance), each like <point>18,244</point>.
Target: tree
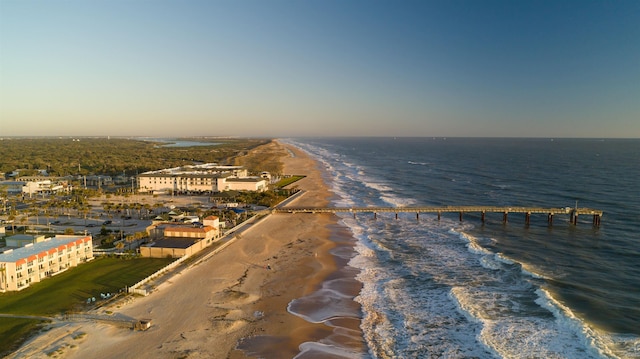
<point>156,207</point>
<point>4,195</point>
<point>120,245</point>
<point>107,207</point>
<point>129,239</point>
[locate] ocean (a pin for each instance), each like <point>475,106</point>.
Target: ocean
<point>467,289</point>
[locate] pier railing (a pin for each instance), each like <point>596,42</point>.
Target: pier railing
<point>461,210</point>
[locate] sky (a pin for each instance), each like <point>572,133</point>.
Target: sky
<point>293,68</point>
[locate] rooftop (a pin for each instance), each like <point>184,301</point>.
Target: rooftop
<point>173,243</point>
<point>207,168</point>
<point>203,229</point>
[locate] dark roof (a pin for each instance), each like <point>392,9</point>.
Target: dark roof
<point>170,242</point>
<point>245,179</point>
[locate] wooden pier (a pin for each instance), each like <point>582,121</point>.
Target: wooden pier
<point>573,213</point>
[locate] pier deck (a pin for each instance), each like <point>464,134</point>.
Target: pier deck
<point>482,210</point>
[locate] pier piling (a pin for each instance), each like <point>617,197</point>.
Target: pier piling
<point>596,220</point>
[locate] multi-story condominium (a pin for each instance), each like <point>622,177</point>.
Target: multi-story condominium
<point>206,178</point>
<point>34,262</point>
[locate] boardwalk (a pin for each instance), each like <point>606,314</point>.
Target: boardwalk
<point>482,210</point>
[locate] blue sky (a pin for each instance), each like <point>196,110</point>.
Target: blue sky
<point>320,68</point>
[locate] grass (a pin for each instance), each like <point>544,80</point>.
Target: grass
<point>68,291</point>
<point>14,331</point>
<point>287,181</point>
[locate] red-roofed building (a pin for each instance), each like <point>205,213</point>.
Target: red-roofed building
<point>179,241</point>
<point>22,266</point>
<point>212,221</point>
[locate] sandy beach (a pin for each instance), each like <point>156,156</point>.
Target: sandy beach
<point>234,304</point>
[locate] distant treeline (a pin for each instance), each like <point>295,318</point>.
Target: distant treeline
<point>85,156</point>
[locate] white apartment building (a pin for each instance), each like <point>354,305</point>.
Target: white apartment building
<point>208,178</point>
<point>34,262</point>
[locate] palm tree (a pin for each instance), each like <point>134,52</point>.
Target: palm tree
<point>130,238</point>
<point>147,208</point>
<point>157,206</point>
<point>107,207</point>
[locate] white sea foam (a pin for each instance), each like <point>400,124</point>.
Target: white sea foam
<point>511,335</point>
<point>418,163</point>
<point>378,186</point>
<point>473,244</point>
<point>528,270</point>
<point>500,257</point>
<point>395,201</point>
<point>321,350</point>
<point>599,343</point>
<point>323,305</point>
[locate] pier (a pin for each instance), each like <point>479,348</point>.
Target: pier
<point>573,213</point>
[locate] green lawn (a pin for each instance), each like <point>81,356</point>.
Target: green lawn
<point>287,181</point>
<point>69,291</point>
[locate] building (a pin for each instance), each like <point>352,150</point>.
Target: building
<point>206,178</point>
<point>211,221</point>
<point>12,187</point>
<point>97,181</point>
<point>34,262</point>
<point>256,184</point>
<point>179,241</point>
<point>21,240</point>
<point>33,185</point>
<point>40,187</point>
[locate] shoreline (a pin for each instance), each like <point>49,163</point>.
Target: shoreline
<point>234,299</point>
<point>325,329</point>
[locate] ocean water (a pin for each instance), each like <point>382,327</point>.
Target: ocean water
<point>450,289</point>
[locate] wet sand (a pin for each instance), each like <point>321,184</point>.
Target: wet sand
<point>241,295</point>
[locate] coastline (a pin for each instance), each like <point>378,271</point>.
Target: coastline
<point>243,294</point>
